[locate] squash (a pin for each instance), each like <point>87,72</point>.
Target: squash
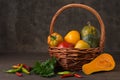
<point>103,62</point>
<point>91,35</point>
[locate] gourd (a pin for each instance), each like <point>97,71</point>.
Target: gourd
<point>104,62</point>
<point>91,35</point>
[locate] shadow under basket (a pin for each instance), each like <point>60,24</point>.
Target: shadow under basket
<point>73,58</point>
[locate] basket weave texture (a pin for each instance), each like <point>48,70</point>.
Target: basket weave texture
<point>72,58</point>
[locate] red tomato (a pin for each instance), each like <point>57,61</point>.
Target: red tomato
<point>65,44</point>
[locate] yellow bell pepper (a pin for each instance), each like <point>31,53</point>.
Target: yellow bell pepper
<point>72,37</point>
<point>54,39</point>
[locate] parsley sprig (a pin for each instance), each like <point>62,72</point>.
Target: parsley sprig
<point>45,69</point>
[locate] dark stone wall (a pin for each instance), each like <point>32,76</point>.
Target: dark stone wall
<point>24,24</point>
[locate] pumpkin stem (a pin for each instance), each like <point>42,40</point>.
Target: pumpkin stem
<point>89,24</point>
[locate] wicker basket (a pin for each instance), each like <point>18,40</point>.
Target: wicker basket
<point>71,58</point>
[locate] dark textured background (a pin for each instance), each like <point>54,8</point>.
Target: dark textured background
<point>24,27</point>
<point>24,24</point>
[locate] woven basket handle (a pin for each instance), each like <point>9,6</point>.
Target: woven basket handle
<point>102,37</point>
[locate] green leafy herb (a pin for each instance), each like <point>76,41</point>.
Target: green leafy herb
<point>45,69</point>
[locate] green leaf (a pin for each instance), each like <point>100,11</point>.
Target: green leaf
<point>45,69</point>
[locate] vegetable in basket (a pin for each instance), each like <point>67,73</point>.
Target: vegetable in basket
<point>72,37</point>
<point>91,35</point>
<point>82,45</point>
<point>54,39</point>
<point>65,44</point>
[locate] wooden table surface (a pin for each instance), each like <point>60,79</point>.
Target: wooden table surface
<point>8,59</point>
